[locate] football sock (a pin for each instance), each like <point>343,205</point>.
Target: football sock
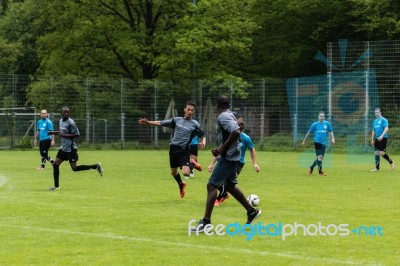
<point>314,164</point>
<point>387,158</point>
<point>178,179</point>
<point>377,161</point>
<point>319,163</point>
<point>56,175</point>
<point>84,167</point>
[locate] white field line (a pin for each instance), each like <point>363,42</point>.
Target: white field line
<point>197,246</point>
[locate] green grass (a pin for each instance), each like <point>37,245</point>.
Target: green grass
<point>134,215</point>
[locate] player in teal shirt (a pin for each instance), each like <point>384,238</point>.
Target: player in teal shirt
<point>321,129</point>
<point>44,125</point>
<point>379,139</point>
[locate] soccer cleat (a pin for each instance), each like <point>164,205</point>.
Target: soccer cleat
<point>40,168</point>
<point>191,175</point>
<point>374,170</point>
<point>196,165</point>
<point>182,187</point>
<point>252,216</point>
<point>224,198</point>
<point>217,202</point>
<point>322,173</point>
<point>54,188</point>
<point>310,170</point>
<point>199,226</point>
<point>392,166</point>
<point>99,169</point>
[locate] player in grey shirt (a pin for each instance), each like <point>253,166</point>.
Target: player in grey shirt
<point>185,128</point>
<point>227,168</point>
<point>69,150</point>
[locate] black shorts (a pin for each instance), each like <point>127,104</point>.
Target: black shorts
<point>194,149</point>
<point>380,145</point>
<point>72,156</point>
<point>44,145</point>
<point>178,156</point>
<point>319,148</point>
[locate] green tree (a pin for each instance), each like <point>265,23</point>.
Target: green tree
<point>144,39</point>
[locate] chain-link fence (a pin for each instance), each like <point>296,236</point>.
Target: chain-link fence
<point>360,76</point>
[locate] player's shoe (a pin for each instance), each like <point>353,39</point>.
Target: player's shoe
<point>310,170</point>
<point>196,165</point>
<point>217,202</point>
<point>182,187</point>
<point>99,169</point>
<point>392,166</point>
<point>191,174</point>
<point>322,173</point>
<point>253,215</point>
<point>374,170</point>
<point>40,168</point>
<point>224,198</point>
<point>54,188</point>
<point>199,226</point>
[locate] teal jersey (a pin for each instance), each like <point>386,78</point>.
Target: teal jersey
<point>247,144</point>
<point>321,131</point>
<point>43,126</point>
<point>379,126</point>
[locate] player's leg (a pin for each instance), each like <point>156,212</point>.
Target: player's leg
<point>73,162</point>
<point>175,161</point>
<point>61,156</point>
<point>382,151</point>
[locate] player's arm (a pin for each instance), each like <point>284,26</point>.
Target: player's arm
<point>373,137</point>
<point>212,164</point>
<point>305,138</point>
<point>332,137</point>
<point>254,159</point>
<point>232,137</point>
<point>144,121</point>
<point>383,133</point>
<point>202,143</point>
<point>35,137</point>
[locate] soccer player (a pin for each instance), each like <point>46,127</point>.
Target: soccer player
<point>185,128</point>
<point>379,139</point>
<point>247,144</point>
<point>226,170</point>
<point>321,129</point>
<point>69,150</point>
<point>194,153</point>
<point>45,140</point>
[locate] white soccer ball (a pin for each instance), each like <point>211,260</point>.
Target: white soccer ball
<point>254,200</point>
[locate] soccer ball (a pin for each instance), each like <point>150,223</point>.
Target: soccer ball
<point>253,199</point>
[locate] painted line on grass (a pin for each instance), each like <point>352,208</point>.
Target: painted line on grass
<point>227,249</point>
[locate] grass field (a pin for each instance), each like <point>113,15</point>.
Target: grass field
<point>134,215</point>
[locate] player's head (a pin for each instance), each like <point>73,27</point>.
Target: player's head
<point>43,114</point>
<point>189,110</point>
<point>241,124</point>
<point>321,116</point>
<point>223,103</point>
<point>65,112</point>
<point>378,112</point>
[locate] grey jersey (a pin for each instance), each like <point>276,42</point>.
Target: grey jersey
<point>68,127</point>
<point>184,130</point>
<point>227,123</point>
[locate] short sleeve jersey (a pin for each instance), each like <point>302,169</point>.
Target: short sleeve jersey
<point>44,125</point>
<point>68,127</point>
<point>184,130</point>
<point>321,131</point>
<point>379,126</point>
<point>227,123</point>
<point>247,143</point>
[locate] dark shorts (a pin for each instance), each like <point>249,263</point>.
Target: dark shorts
<point>178,157</point>
<point>225,172</point>
<point>380,145</point>
<point>194,149</point>
<point>319,148</point>
<point>72,156</point>
<point>44,145</point>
